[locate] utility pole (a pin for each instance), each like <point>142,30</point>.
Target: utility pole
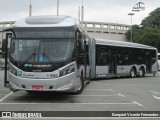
<point>79,15</point>
<point>138,7</point>
<point>82,13</point>
<point>30,9</point>
<point>57,7</point>
<point>131,14</point>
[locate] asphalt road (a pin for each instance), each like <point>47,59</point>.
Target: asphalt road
<point>118,94</point>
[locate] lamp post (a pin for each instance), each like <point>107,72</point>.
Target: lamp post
<point>30,9</point>
<point>131,14</point>
<point>57,7</point>
<point>82,13</point>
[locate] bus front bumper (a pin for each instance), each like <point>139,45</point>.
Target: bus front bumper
<point>62,84</point>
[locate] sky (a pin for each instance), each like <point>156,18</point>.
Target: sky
<point>110,11</point>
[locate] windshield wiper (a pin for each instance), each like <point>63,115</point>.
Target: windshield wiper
<point>33,54</point>
<point>48,58</point>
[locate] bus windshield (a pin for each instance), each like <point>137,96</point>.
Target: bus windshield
<point>41,50</point>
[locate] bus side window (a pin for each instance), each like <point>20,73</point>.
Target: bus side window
<point>119,57</point>
<point>102,58</point>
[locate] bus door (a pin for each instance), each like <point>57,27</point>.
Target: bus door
<point>112,62</point>
<point>148,61</point>
<point>5,46</point>
<point>81,53</point>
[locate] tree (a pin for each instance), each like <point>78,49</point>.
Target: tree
<point>149,31</point>
<point>153,20</point>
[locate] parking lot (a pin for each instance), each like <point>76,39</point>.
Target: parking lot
<point>118,94</point>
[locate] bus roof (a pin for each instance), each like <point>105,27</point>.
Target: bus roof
<point>122,44</point>
<point>46,21</point>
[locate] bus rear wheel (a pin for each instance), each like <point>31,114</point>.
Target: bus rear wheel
<point>141,72</point>
<point>132,72</point>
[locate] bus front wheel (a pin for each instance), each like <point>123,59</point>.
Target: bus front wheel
<point>81,83</point>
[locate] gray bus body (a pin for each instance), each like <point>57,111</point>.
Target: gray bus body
<point>116,58</point>
<point>48,53</point>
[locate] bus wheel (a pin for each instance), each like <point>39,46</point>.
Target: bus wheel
<point>80,89</point>
<point>141,72</point>
<point>132,72</point>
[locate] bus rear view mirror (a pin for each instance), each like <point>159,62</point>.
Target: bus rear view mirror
<point>5,42</point>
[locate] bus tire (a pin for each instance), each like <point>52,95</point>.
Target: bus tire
<point>141,72</point>
<point>80,89</point>
<point>132,72</point>
<point>154,74</point>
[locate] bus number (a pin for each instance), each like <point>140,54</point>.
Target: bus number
<point>54,75</point>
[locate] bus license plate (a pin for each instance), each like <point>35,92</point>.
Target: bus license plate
<point>37,87</point>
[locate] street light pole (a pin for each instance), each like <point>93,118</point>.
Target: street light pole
<point>82,13</point>
<point>30,9</point>
<point>57,7</point>
<point>131,14</point>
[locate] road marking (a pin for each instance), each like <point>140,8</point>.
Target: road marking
<point>6,96</point>
<point>133,103</point>
<point>97,95</point>
<point>158,98</point>
<point>137,103</point>
<point>121,95</point>
<point>155,92</point>
<point>100,89</point>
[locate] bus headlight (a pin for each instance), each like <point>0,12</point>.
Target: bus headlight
<point>67,70</point>
<point>12,70</point>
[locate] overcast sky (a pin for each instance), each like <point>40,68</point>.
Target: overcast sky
<point>112,11</point>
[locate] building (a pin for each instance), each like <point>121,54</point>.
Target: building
<point>102,30</point>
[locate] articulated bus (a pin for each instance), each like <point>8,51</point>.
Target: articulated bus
<point>53,53</point>
<point>47,53</point>
<point>116,58</point>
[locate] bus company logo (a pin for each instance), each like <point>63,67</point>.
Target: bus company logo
<point>37,66</point>
<point>28,65</point>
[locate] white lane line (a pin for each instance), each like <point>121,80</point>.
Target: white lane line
<point>133,103</point>
<point>96,95</point>
<point>158,98</point>
<point>6,97</point>
<point>137,103</point>
<point>121,95</point>
<point>99,89</point>
<point>155,92</point>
